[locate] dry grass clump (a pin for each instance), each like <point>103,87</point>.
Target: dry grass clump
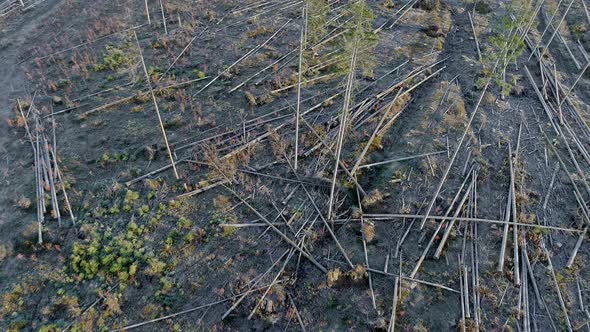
<point>517,90</point>
<point>250,98</point>
<point>277,143</point>
<point>368,230</point>
<point>222,202</point>
<point>274,300</point>
<point>18,122</point>
<point>358,273</point>
<point>456,115</point>
<point>69,303</point>
<point>23,203</point>
<point>334,276</point>
<point>141,98</point>
<point>437,96</point>
<point>258,32</point>
<point>373,198</point>
<point>112,303</point>
<point>222,168</point>
<point>489,98</point>
<point>578,30</point>
<point>448,101</point>
<point>433,30</point>
<point>481,23</point>
<point>224,214</point>
<point>394,111</point>
<point>210,15</point>
<point>388,4</point>
<point>355,275</point>
<point>459,107</point>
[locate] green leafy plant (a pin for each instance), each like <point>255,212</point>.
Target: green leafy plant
<point>184,223</point>
<point>130,198</point>
<point>199,74</point>
<point>224,214</point>
<point>155,267</point>
<point>360,35</point>
<point>108,256</point>
<point>317,11</point>
<point>506,46</point>
<point>154,73</point>
<point>114,58</point>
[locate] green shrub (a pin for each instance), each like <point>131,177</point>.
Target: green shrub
<point>316,20</point>
<point>155,267</point>
<point>505,48</point>
<point>143,210</point>
<point>360,34</point>
<point>113,59</point>
<point>199,74</point>
<point>109,256</point>
<point>184,223</point>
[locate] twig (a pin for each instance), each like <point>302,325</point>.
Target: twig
<point>147,77</point>
<point>392,216</point>
<point>532,277</point>
<point>507,213</point>
<point>257,280</point>
<point>154,172</point>
<point>448,169</point>
<point>586,10</point>
<point>466,288</point>
<point>556,29</point>
<point>570,262</point>
<point>447,233</point>
<point>575,82</point>
<point>276,230</point>
<point>249,53</point>
<point>63,187</point>
<point>330,230</point>
<point>556,284</point>
<point>329,150</point>
<point>183,50</point>
<point>475,36</point>
<point>51,177</point>
<point>375,132</point>
<point>440,225</point>
<point>299,74</point>
<point>342,129</point>
<point>419,281</point>
<point>391,327</point>
<point>301,324</point>
<point>163,17</point>
<point>40,194</point>
<point>147,322</point>
<point>548,194</point>
<point>373,301</point>
<point>514,217</point>
<point>147,12</point>
<point>291,251</point>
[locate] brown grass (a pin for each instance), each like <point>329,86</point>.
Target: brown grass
<point>334,276</point>
<point>373,198</point>
<point>368,231</point>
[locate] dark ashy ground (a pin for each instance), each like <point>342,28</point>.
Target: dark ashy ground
<point>151,251</point>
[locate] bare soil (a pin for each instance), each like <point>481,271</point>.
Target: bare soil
<point>240,240</point>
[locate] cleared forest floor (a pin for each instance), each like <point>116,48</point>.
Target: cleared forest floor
<point>317,165</point>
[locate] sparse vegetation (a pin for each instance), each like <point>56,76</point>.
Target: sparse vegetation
<point>315,165</point>
<point>507,45</point>
<point>114,58</point>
